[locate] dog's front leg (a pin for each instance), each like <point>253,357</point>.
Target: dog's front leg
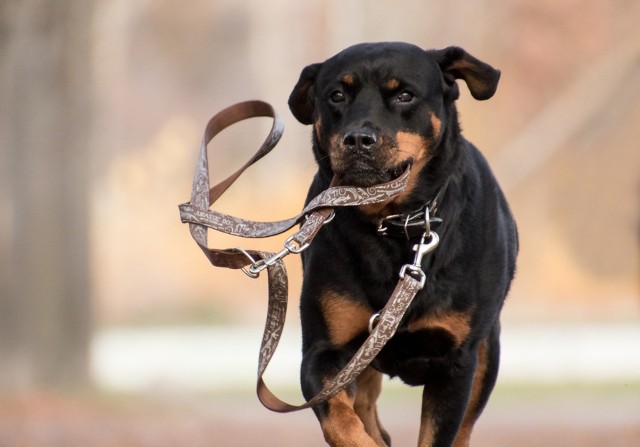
<point>369,385</point>
<point>444,404</point>
<point>340,423</point>
<point>451,406</point>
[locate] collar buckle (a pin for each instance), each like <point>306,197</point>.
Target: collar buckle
<point>416,223</point>
<point>409,225</point>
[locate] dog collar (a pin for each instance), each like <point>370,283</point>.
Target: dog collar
<point>415,223</point>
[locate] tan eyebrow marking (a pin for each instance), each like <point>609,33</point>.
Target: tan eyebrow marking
<point>392,84</point>
<point>348,79</point>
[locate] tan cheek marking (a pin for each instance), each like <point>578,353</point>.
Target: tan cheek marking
<point>334,142</point>
<point>414,146</point>
<point>456,323</point>
<point>318,126</point>
<point>345,318</point>
<point>333,151</point>
<point>376,209</point>
<point>342,427</point>
<point>411,145</point>
<point>436,123</point>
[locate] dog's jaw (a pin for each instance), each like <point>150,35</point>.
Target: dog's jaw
<point>363,169</point>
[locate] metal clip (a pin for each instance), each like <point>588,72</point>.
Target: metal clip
<point>427,224</point>
<point>253,271</point>
<point>421,249</point>
<point>245,270</point>
<point>373,321</point>
<point>262,264</point>
<point>408,224</point>
<point>289,245</point>
<point>382,225</point>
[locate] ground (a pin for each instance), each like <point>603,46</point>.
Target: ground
<point>585,416</point>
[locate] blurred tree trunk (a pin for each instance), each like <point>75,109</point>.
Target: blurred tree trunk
<point>45,109</point>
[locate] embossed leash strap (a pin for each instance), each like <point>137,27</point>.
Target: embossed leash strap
<point>314,215</point>
<point>199,216</point>
<point>390,318</point>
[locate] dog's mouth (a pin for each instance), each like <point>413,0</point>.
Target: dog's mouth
<point>401,167</point>
<point>365,173</point>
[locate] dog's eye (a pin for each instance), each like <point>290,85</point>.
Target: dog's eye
<point>405,97</point>
<point>336,96</point>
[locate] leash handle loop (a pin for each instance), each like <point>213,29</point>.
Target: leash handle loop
<point>289,247</point>
<point>317,213</point>
<point>202,196</point>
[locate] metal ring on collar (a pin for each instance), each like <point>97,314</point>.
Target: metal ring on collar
<point>373,321</point>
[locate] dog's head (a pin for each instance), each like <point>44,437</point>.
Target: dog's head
<point>377,108</point>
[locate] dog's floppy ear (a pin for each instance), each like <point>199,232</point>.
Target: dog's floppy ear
<point>301,101</point>
<point>481,78</point>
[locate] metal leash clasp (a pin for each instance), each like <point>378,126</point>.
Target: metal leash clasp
<point>426,245</point>
<point>428,242</point>
<point>291,245</point>
<point>253,271</point>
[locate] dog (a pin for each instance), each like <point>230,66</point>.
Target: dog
<point>376,109</point>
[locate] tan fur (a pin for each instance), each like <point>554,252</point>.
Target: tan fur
<point>392,84</point>
<point>414,146</point>
<point>348,79</point>
<point>345,318</point>
<point>455,323</point>
<point>408,145</point>
<point>369,385</point>
<point>427,425</point>
<point>464,434</point>
<point>342,427</point>
<point>436,124</point>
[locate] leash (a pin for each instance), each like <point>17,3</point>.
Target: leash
<point>312,218</point>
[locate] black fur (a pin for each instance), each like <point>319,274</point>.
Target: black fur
<point>365,103</point>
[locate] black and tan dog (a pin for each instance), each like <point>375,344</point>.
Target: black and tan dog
<point>375,109</point>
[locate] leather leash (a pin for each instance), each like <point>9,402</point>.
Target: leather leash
<point>318,212</point>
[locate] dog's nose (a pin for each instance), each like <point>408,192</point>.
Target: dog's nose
<point>363,138</point>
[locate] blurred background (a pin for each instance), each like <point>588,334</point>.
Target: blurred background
<point>115,330</point>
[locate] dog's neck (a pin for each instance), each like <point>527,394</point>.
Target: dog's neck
<point>416,223</point>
